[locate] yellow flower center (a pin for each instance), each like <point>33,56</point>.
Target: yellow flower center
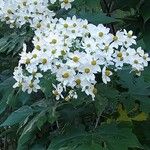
<point>63,52</point>
<point>136,61</point>
<point>75,59</point>
<point>129,35</point>
<point>78,81</point>
<point>106,48</point>
<point>9,11</point>
<point>44,61</point>
<point>56,93</point>
<point>65,25</point>
<point>88,45</point>
<point>20,84</point>
<point>27,61</point>
<point>94,91</point>
<point>34,55</point>
<point>107,72</point>
<point>87,70</point>
<point>66,1</point>
<point>144,57</point>
<point>73,31</point>
<point>26,17</point>
<point>85,26</point>
<point>115,38</point>
<point>65,75</point>
<point>38,25</point>
<point>93,62</point>
<point>54,41</point>
<point>38,47</point>
<point>119,55</point>
<point>53,51</point>
<point>31,85</point>
<point>101,34</point>
<point>33,73</point>
<point>24,3</point>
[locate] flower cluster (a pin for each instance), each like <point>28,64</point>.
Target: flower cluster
<point>18,12</point>
<point>74,51</point>
<point>71,49</point>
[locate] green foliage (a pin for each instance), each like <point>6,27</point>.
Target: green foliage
<point>12,42</point>
<point>18,116</point>
<point>118,119</point>
<point>106,137</point>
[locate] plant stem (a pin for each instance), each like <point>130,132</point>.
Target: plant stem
<point>108,14</point>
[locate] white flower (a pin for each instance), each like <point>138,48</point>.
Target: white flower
<point>45,61</point>
<point>66,4</point>
<point>144,55</point>
<point>106,73</point>
<point>89,45</point>
<point>137,62</point>
<point>129,38</point>
<point>119,58</point>
<point>91,90</point>
<point>18,76</point>
<point>53,1</point>
<point>87,71</point>
<point>65,75</point>
<point>72,94</point>
<point>30,84</point>
<point>75,59</point>
<point>118,39</point>
<point>71,49</point>
<point>58,91</point>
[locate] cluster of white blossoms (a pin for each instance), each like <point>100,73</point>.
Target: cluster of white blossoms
<point>18,12</point>
<point>75,51</point>
<point>71,49</point>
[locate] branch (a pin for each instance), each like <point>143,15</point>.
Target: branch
<point>109,15</point>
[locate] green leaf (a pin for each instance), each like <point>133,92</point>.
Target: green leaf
<point>146,35</point>
<point>145,11</point>
<point>2,106</point>
<point>135,85</point>
<point>13,42</point>
<point>126,5</point>
<point>92,5</point>
<point>120,14</point>
<point>18,116</point>
<point>41,121</point>
<point>100,103</point>
<point>32,127</point>
<point>118,137</point>
<point>29,130</point>
<point>52,115</point>
<point>89,146</point>
<point>145,103</point>
<point>46,84</point>
<point>108,136</point>
<point>38,147</point>
<point>140,43</point>
<point>89,5</point>
<point>24,97</point>
<point>146,74</point>
<point>7,93</point>
<point>3,102</point>
<point>110,93</point>
<point>97,18</point>
<point>8,83</point>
